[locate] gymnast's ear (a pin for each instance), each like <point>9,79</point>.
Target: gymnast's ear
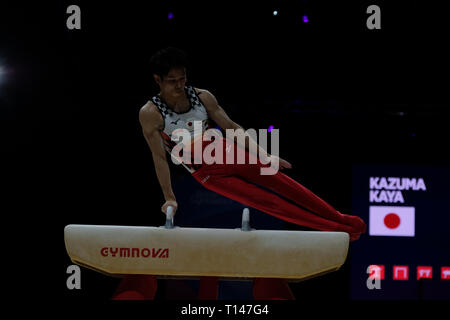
<point>157,79</point>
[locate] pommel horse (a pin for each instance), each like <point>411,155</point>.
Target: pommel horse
<point>189,253</point>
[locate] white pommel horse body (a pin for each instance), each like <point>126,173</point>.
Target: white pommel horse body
<point>177,252</point>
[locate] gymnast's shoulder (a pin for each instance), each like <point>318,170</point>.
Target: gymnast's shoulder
<point>149,113</point>
<point>206,96</point>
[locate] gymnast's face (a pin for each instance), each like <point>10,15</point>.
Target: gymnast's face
<point>173,83</point>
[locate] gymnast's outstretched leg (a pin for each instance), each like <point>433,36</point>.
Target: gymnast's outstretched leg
<point>285,186</point>
<point>240,190</point>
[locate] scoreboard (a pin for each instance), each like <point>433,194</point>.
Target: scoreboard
<point>405,253</point>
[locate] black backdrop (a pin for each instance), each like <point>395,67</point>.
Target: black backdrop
<point>72,148</point>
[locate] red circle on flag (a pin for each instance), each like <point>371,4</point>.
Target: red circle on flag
<point>392,220</point>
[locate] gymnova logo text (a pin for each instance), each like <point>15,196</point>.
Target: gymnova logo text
<point>134,252</point>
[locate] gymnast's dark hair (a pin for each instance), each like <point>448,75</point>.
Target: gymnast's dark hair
<point>164,60</point>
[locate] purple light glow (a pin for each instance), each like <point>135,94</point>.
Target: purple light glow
<point>305,19</point>
<point>170,16</point>
<point>270,128</point>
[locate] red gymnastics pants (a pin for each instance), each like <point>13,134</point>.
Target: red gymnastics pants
<point>281,196</point>
<point>287,200</point>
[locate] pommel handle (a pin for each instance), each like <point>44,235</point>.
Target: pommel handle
<point>246,220</point>
<point>169,218</point>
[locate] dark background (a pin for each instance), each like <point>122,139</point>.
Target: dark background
<point>341,94</point>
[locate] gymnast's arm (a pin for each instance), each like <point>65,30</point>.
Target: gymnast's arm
<point>152,123</point>
<point>219,116</point>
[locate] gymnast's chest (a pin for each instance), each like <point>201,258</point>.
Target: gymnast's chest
<point>194,119</point>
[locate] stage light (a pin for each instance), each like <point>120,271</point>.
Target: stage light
<point>275,13</point>
<point>270,128</point>
<point>305,19</point>
<point>170,16</point>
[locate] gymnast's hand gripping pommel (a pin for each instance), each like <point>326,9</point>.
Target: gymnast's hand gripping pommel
<point>169,218</point>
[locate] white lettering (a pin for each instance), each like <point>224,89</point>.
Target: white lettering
<point>398,197</point>
<point>383,183</point>
<point>198,310</point>
<point>74,280</point>
<point>410,183</point>
<point>396,184</point>
<point>374,182</point>
<point>373,195</point>
<point>386,196</point>
<point>402,270</point>
<point>216,146</point>
<point>373,281</point>
<point>198,131</point>
<point>73,21</point>
<point>374,20</point>
<point>181,152</point>
<point>275,151</point>
<point>421,185</point>
<point>240,136</point>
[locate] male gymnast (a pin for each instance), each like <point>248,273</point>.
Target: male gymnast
<point>177,106</point>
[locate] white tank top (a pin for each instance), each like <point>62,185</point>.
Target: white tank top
<point>183,120</point>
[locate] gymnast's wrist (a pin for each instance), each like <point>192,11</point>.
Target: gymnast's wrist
<point>170,198</point>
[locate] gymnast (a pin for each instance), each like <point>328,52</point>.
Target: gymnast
<point>177,106</point>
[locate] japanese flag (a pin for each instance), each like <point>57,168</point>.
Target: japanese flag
<point>391,221</point>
